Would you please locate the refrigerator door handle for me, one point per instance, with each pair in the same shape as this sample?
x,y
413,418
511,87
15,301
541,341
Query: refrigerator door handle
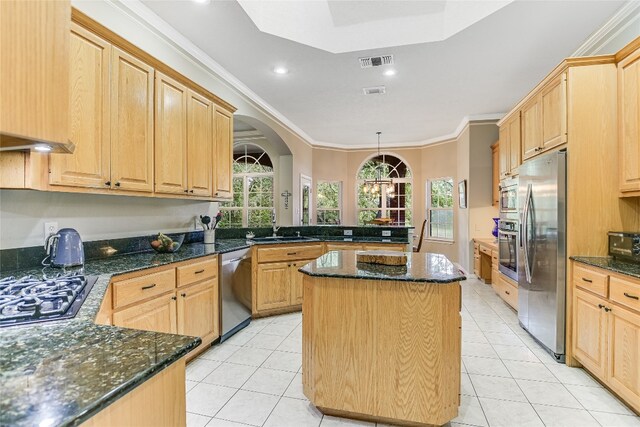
x,y
524,237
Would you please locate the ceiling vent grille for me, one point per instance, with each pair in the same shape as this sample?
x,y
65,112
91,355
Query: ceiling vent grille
x,y
376,61
374,90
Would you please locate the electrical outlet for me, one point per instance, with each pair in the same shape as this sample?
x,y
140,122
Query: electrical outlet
x,y
386,233
50,228
348,232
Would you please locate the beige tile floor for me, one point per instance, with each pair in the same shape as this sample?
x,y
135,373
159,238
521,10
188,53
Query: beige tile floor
x,y
254,379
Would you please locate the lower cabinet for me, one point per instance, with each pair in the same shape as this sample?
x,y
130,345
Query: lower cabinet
x,y
158,314
197,311
606,333
274,286
507,289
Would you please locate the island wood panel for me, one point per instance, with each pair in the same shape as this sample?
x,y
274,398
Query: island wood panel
x,y
199,145
158,402
90,164
394,357
171,136
131,123
34,69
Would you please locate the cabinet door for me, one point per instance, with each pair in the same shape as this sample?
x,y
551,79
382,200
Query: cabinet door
x,y
495,175
531,128
171,136
34,69
514,145
503,155
198,310
89,165
554,113
131,123
274,285
199,145
158,314
223,153
296,281
590,331
629,122
624,353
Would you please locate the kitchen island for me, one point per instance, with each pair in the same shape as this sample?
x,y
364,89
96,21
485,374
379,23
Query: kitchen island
x,y
382,343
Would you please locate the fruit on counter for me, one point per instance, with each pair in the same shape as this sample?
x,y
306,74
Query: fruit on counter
x,y
164,243
155,244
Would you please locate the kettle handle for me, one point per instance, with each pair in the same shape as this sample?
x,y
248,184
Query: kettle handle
x,y
50,243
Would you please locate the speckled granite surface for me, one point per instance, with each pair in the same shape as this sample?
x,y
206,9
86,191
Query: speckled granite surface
x,y
608,263
421,267
63,372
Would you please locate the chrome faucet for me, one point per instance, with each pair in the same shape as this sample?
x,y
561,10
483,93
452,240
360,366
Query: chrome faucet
x,y
273,222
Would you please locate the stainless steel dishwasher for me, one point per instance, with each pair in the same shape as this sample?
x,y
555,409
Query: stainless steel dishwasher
x,y
235,295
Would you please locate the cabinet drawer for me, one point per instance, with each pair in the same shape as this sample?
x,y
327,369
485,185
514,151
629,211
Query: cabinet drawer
x,y
485,250
590,280
197,271
289,253
140,288
625,293
383,247
344,247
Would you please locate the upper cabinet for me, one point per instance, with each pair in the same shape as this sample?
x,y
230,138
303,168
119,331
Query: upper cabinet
x,y
629,123
509,154
495,164
223,153
34,70
200,112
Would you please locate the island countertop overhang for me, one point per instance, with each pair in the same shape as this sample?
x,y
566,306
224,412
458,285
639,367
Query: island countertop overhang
x,y
421,267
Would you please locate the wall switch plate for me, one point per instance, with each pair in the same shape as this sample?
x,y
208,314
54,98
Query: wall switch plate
x,y
348,232
50,228
386,233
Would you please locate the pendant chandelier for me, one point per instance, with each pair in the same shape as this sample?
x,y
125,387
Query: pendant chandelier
x,y
375,186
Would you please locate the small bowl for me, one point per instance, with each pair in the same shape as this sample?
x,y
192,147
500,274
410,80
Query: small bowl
x,y
162,249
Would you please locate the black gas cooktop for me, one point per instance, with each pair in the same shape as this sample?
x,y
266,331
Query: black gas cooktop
x,y
33,299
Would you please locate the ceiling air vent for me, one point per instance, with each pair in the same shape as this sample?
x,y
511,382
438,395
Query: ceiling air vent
x,y
374,90
375,61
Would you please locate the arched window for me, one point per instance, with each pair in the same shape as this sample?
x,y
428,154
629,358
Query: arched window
x,y
252,189
384,190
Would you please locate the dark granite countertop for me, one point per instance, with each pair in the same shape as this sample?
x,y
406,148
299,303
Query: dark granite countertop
x,y
608,263
421,267
63,372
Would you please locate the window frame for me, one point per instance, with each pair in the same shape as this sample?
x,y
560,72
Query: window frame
x,y
319,209
429,208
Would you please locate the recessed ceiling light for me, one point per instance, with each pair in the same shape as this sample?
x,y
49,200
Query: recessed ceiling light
x,y
280,70
43,148
390,72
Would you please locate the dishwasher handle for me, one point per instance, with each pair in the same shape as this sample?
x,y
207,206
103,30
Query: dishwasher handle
x,y
229,261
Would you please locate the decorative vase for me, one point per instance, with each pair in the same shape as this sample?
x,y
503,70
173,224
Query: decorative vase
x,y
209,237
495,227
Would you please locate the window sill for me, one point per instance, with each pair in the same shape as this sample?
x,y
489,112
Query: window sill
x,y
440,241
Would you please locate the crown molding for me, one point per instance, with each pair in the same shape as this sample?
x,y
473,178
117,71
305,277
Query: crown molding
x,y
625,16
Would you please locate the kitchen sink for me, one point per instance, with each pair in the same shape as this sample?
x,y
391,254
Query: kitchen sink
x,y
282,239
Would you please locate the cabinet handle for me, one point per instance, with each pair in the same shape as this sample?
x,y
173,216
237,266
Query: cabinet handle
x,y
199,271
153,285
217,193
587,280
174,298
507,292
190,191
631,296
607,309
108,183
186,191
600,306
118,184
183,295
292,253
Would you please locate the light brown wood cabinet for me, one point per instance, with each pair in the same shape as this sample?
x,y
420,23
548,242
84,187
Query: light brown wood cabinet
x,y
198,310
90,164
158,314
509,155
629,124
34,69
170,143
223,153
544,118
606,331
274,286
495,174
199,145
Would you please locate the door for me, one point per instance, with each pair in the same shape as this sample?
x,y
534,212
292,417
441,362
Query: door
x,y
274,285
624,353
629,122
305,200
171,136
554,113
590,331
503,154
199,145
541,271
531,136
158,314
131,123
223,153
198,310
89,165
296,281
514,145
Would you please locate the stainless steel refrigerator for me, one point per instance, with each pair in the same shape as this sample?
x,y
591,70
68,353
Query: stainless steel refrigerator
x,y
542,193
